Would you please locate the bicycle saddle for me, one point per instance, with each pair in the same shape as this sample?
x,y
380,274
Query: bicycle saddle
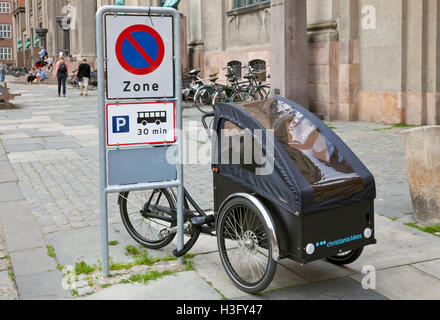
x,y
232,78
213,75
213,79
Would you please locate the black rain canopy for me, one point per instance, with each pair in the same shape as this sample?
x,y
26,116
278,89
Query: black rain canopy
x,y
313,169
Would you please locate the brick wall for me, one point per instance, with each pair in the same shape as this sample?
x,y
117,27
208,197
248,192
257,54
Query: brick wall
x,y
6,18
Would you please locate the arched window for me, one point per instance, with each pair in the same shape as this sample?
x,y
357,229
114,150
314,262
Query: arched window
x,y
236,66
258,65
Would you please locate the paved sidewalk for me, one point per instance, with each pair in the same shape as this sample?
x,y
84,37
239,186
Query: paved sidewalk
x,y
8,291
49,211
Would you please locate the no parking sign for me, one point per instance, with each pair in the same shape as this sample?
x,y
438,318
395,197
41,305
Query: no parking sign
x,y
140,108
139,57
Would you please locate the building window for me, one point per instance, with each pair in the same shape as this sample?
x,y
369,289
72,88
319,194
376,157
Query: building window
x,y
258,65
5,53
5,7
5,31
247,3
236,67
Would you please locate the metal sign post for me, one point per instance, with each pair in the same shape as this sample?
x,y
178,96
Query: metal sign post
x,y
140,105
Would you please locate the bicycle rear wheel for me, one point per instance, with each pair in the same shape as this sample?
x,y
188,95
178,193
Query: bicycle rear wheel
x,y
219,97
203,99
143,229
345,258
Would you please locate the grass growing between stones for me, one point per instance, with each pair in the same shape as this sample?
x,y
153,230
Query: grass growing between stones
x,y
142,259
390,218
113,243
51,252
84,268
434,229
152,275
132,251
217,290
84,279
404,126
147,276
396,126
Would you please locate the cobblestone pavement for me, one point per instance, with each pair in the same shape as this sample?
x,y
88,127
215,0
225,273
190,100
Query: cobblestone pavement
x,y
380,147
51,144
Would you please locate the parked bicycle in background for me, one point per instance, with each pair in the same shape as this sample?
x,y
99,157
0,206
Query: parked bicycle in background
x,y
255,89
191,84
203,100
230,93
252,89
73,81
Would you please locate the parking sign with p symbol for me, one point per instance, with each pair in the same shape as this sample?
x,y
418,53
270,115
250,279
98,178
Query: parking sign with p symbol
x,y
121,124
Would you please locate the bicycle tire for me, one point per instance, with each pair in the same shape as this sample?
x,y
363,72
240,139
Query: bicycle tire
x,y
251,235
133,231
248,97
263,92
219,97
346,257
203,100
238,97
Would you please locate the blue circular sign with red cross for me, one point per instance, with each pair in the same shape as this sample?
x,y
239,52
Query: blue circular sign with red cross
x,y
140,49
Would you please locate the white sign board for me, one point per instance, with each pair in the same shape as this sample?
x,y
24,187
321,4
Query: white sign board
x,y
139,52
132,124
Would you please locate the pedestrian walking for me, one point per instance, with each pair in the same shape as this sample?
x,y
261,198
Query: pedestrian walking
x,y
61,73
84,72
2,72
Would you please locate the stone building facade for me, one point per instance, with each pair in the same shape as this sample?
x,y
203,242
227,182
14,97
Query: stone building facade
x,y
65,26
369,60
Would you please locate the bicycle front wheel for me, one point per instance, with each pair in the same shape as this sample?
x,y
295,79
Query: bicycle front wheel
x,y
135,208
263,92
244,246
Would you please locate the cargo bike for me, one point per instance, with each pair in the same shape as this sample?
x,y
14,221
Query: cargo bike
x,y
302,194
